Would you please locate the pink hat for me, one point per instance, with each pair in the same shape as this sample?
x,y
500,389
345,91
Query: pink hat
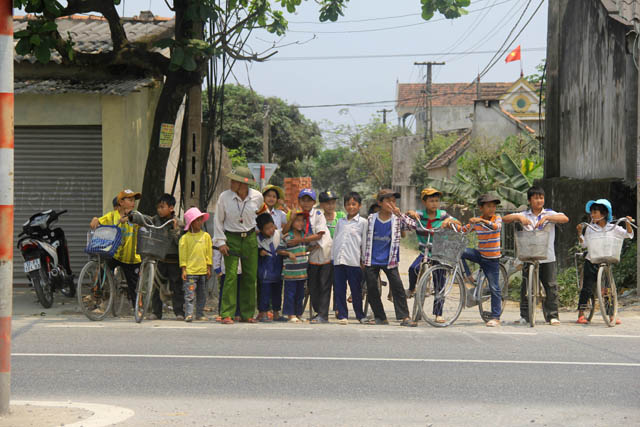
x,y
191,215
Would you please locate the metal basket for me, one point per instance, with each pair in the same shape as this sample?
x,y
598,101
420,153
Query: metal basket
x,y
532,245
104,240
604,247
448,246
155,243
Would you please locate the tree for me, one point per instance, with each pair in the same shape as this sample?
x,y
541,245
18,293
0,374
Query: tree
x,y
538,80
293,136
437,145
192,46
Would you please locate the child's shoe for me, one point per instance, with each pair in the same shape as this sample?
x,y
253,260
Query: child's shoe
x,y
440,319
521,321
180,317
202,318
188,319
343,322
554,322
618,321
269,315
493,323
218,318
294,319
582,320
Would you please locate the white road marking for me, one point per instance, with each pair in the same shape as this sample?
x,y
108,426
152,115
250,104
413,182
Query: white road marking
x,y
103,415
178,327
505,333
328,358
71,325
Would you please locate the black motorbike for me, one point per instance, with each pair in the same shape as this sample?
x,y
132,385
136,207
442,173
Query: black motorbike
x,y
46,256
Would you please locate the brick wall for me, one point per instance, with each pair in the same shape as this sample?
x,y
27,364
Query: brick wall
x,y
292,187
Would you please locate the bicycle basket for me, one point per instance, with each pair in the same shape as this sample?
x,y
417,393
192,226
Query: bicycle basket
x,y
155,243
532,245
104,240
448,246
604,247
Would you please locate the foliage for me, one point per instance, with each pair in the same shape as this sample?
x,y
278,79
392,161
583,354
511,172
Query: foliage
x,y
625,273
536,78
330,164
508,169
293,137
568,291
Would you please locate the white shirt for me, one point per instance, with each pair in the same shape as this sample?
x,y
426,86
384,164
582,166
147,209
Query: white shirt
x,y
610,227
275,239
549,227
279,218
347,241
234,214
318,224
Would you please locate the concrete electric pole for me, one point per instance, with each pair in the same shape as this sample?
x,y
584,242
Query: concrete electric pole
x,y
266,133
384,112
428,117
6,199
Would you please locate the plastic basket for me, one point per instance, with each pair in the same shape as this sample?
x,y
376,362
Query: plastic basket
x,y
604,247
155,243
448,246
104,240
532,245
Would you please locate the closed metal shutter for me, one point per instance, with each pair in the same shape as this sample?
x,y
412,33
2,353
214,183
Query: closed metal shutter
x,y
58,167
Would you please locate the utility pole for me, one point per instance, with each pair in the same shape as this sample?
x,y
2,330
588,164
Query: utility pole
x,y
384,112
428,122
6,199
266,133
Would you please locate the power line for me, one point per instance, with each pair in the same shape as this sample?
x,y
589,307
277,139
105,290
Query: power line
x,y
393,27
393,55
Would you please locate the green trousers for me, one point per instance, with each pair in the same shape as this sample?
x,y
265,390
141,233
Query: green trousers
x,y
246,298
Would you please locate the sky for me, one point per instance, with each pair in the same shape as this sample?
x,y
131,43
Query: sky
x,y
323,62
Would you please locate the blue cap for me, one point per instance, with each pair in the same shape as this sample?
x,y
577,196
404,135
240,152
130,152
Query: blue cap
x,y
307,192
603,202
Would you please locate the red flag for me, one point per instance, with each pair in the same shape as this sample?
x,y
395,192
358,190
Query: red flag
x,y
514,55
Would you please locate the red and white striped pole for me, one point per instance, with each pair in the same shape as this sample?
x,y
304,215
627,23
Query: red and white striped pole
x,y
6,198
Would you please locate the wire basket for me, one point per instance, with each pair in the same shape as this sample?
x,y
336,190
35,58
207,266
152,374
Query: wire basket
x,y
155,243
448,246
104,240
604,247
532,245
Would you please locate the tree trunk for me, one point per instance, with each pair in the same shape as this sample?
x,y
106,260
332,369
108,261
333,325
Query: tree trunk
x,y
175,88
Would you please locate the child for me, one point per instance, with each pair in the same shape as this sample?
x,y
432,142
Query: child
x,y
219,268
537,216
195,260
346,255
169,267
269,269
328,204
319,241
272,195
488,227
381,251
601,215
295,264
126,258
431,217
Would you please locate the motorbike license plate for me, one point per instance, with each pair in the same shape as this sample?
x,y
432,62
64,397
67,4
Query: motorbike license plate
x,y
32,265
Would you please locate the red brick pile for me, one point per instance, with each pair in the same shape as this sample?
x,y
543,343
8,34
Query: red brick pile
x,y
292,187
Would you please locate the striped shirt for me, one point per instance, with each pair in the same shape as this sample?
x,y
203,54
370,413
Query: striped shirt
x,y
488,236
294,270
398,224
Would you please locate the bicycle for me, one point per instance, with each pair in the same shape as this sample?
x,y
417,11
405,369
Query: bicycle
x,y
96,285
152,246
532,246
442,285
604,248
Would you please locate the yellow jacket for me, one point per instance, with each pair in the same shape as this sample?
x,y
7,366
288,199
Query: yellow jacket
x,y
195,252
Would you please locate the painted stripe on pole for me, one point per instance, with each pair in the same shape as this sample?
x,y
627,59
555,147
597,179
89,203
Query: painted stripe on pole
x,y
6,241
6,275
6,64
6,17
5,344
6,182
6,120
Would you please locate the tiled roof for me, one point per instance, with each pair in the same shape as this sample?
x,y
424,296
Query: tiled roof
x,y
451,153
625,11
448,94
110,87
91,33
517,121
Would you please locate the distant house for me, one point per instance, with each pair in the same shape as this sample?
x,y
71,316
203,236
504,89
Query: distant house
x,y
453,103
81,134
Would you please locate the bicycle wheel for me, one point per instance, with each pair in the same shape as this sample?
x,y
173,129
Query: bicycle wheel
x,y
144,290
484,304
121,305
441,295
532,293
95,290
607,296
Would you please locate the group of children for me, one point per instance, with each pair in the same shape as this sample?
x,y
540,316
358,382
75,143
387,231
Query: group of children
x,y
320,249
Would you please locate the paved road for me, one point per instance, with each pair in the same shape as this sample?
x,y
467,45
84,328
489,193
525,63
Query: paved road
x,y
171,373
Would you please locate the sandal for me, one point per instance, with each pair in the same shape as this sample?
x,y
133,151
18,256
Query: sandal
x,y
493,323
582,320
294,320
408,322
227,321
249,320
380,322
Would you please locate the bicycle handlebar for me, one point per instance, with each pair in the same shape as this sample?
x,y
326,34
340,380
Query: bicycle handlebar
x,y
145,221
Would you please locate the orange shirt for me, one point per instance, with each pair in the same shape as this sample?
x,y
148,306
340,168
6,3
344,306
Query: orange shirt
x,y
488,236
